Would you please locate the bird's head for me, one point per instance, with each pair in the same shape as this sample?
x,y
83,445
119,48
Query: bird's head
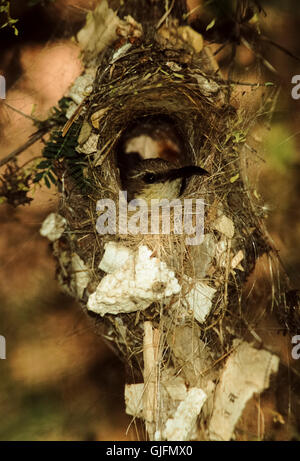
x,y
157,179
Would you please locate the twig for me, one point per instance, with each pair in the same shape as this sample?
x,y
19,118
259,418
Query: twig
x,y
164,17
236,82
280,47
259,56
20,112
33,139
186,15
73,118
150,352
220,48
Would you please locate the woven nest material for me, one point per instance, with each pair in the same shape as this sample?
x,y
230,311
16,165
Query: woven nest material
x,y
193,98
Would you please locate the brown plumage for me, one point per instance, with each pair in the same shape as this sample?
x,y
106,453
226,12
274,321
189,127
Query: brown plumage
x,y
156,178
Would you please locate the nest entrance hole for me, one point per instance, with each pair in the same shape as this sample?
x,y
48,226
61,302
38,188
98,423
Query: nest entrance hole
x,y
153,136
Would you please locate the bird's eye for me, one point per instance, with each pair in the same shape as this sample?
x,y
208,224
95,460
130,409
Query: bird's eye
x,y
149,178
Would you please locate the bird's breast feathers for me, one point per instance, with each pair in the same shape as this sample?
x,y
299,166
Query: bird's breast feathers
x,y
161,190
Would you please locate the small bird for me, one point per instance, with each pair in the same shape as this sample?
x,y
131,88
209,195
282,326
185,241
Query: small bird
x,y
156,178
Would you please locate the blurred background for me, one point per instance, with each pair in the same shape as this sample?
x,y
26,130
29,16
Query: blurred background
x,y
60,381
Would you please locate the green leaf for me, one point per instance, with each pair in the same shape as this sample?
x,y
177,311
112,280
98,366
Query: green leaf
x,y
43,164
52,178
178,75
238,136
211,24
234,178
47,182
38,177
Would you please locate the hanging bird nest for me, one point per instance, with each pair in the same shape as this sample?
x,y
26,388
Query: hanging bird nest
x,y
139,86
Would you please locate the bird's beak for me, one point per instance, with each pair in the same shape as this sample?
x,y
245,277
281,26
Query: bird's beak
x,y
185,172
